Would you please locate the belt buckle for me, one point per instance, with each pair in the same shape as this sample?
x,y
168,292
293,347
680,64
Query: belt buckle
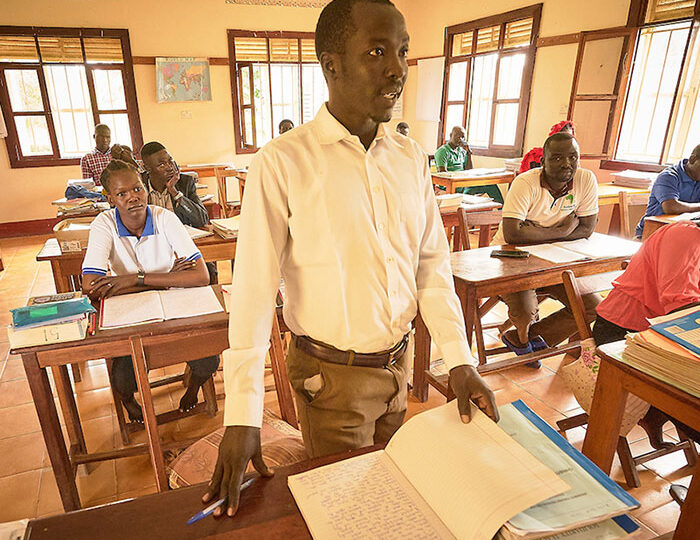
x,y
395,354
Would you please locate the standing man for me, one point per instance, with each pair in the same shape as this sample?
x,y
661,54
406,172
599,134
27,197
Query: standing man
x,y
402,127
285,125
676,190
94,163
351,292
455,155
558,201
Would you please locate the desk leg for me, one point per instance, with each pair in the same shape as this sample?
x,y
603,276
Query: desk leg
x,y
484,235
478,330
421,360
687,527
66,398
51,429
606,417
62,282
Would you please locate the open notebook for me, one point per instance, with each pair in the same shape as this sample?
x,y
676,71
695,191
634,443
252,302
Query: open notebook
x,y
154,306
439,478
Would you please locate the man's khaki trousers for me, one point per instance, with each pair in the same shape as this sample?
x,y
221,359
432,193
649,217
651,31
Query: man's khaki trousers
x,y
346,407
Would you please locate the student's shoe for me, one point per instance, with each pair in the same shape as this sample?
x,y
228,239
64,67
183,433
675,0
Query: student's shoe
x,y
678,493
520,351
538,344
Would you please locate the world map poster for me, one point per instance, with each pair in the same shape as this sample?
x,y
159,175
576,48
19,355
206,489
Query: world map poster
x,y
182,79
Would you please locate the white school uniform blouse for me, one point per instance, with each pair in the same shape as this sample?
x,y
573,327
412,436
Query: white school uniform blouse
x,y
357,236
111,247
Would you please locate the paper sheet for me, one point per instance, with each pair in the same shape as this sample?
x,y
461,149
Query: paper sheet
x,y
191,302
131,309
554,253
13,530
598,246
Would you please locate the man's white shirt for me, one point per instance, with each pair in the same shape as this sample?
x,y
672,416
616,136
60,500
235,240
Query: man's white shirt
x,y
358,239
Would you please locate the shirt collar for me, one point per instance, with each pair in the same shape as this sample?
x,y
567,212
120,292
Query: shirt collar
x,y
147,229
107,153
330,130
556,194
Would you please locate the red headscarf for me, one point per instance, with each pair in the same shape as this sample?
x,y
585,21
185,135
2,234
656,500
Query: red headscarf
x,y
533,158
556,128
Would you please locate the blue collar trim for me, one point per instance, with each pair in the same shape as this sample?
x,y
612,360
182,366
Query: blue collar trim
x,y
148,229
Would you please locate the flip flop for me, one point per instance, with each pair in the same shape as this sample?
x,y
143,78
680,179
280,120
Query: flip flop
x,y
520,351
538,343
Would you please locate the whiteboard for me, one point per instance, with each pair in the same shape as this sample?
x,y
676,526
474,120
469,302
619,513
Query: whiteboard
x,y
431,73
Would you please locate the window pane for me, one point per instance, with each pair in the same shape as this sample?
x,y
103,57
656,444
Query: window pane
x,y
686,126
60,49
284,50
18,49
462,44
654,78
308,50
25,92
599,66
119,125
248,127
244,74
261,98
453,117
591,121
510,76
33,133
71,109
483,78
518,33
103,50
665,10
505,123
487,38
109,89
285,94
315,90
456,90
250,49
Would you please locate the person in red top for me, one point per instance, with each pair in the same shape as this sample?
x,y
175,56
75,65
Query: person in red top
x,y
533,158
662,277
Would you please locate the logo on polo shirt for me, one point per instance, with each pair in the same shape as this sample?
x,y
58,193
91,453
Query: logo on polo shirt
x,y
568,203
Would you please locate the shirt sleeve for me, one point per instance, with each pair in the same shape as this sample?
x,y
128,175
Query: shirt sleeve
x,y
518,200
179,238
100,241
85,167
666,187
678,269
588,204
189,208
262,240
438,303
441,157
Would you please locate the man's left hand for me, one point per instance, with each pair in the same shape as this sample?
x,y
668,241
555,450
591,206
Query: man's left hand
x,y
467,385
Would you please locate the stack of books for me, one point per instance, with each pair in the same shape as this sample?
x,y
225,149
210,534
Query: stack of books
x,y
44,321
513,164
669,350
227,228
77,207
633,179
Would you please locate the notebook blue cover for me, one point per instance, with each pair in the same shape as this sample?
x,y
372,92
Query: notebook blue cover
x,y
685,331
55,312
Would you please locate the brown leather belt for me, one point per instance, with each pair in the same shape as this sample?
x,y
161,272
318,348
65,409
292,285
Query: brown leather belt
x,y
327,353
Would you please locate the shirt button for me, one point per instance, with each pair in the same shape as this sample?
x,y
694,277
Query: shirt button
x,y
380,226
390,260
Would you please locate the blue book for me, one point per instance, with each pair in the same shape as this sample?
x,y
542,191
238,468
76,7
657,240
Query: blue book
x,y
51,313
684,330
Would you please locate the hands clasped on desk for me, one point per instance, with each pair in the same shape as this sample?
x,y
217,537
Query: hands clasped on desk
x,y
241,444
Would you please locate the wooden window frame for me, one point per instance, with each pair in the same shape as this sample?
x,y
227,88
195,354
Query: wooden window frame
x,y
17,160
534,12
236,86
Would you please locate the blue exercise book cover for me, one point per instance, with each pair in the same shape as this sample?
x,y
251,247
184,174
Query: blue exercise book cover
x,y
53,312
685,331
585,463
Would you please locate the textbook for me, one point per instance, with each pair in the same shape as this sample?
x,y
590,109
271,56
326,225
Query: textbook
x,y
196,234
75,330
51,313
596,246
227,228
439,478
155,306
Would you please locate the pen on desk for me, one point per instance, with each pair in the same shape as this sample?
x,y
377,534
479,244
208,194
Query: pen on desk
x,y
91,324
213,506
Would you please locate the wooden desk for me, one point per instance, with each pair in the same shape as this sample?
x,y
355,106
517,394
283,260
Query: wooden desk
x,y
615,380
608,195
477,276
67,267
450,222
267,511
483,180
654,223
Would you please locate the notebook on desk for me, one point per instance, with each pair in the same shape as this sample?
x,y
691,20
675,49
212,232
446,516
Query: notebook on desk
x,y
155,306
439,478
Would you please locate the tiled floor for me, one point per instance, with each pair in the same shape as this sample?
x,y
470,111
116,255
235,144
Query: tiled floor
x,y
27,486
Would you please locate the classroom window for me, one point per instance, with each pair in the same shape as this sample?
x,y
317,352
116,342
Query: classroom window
x,y
487,80
57,84
660,118
274,75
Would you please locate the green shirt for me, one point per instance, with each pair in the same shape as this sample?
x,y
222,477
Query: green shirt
x,y
453,159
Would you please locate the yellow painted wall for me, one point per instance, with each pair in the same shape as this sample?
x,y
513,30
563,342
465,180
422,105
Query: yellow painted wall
x,y
164,28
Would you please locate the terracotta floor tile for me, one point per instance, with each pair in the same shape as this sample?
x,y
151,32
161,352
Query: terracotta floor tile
x,y
662,519
18,420
523,374
14,393
93,378
99,483
49,497
651,494
553,391
94,403
19,494
134,473
21,453
100,434
14,370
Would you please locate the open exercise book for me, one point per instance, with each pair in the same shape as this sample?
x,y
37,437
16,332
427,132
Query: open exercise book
x,y
154,306
596,246
441,479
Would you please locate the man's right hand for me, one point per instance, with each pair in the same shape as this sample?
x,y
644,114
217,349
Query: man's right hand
x,y
239,445
568,225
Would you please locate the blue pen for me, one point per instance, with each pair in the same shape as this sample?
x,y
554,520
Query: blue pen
x,y
209,509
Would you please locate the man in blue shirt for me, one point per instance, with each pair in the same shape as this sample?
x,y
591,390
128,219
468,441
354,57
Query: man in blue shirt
x,y
676,190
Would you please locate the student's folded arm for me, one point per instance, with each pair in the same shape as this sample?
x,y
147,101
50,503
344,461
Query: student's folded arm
x,y
586,226
196,276
522,231
437,301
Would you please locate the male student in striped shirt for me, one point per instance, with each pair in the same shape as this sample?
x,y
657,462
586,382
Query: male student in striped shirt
x,y
145,247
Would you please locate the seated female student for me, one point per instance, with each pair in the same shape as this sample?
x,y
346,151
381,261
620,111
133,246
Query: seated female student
x,y
145,247
662,277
